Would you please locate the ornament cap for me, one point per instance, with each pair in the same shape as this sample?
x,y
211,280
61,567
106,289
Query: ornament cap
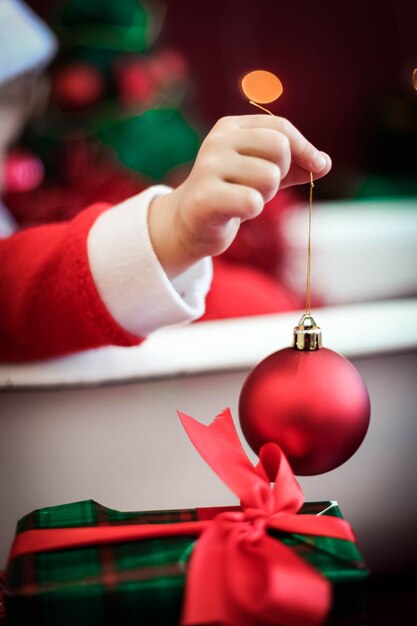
x,y
307,335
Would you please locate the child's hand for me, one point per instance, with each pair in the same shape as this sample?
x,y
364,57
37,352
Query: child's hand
x,y
241,165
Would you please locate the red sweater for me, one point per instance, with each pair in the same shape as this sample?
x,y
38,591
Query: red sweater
x,y
49,304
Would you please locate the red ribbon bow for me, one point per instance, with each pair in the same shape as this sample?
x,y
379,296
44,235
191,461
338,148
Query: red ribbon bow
x,y
239,575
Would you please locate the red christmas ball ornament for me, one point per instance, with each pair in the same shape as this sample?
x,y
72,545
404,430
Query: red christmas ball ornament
x,y
309,400
135,83
78,86
24,171
167,66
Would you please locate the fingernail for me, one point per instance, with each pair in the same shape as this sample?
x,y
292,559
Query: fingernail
x,y
318,162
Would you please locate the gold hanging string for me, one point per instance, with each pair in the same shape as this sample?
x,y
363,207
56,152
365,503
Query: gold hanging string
x,y
255,104
310,211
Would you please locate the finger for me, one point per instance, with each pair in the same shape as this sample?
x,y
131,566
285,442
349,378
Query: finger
x,y
216,204
298,176
262,175
303,153
266,144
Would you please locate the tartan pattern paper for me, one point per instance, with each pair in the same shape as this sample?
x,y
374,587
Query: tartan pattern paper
x,y
142,583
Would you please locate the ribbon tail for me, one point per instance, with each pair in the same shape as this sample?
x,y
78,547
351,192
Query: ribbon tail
x,y
297,594
205,589
219,445
237,578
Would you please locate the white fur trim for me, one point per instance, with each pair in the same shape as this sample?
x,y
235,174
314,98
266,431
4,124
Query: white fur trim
x,y
129,278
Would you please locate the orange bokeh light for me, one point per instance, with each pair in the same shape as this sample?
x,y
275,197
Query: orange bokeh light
x,y
261,86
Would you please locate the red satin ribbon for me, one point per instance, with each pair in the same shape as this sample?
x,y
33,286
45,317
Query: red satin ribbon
x,y
238,574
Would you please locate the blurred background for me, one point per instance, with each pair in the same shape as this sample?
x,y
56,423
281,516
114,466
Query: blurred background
x,y
346,68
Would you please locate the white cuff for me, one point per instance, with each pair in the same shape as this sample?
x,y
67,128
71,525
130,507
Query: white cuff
x,y
129,278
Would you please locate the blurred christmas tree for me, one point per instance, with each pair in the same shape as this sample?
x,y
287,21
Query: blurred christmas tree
x,y
115,121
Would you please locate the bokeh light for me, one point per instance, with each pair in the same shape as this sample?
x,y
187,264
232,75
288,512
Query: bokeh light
x,y
261,86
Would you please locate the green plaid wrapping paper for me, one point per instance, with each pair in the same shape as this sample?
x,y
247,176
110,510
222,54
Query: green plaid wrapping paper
x,y
142,583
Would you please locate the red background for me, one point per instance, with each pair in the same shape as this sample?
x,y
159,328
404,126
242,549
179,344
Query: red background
x,y
334,59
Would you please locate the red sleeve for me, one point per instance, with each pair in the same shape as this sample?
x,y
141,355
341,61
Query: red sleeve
x,y
49,304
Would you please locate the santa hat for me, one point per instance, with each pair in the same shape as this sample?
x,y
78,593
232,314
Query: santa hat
x,y
26,43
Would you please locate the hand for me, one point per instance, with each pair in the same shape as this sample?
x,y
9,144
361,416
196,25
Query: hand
x,y
241,164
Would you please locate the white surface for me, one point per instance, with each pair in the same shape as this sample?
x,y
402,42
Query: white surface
x,y
236,344
361,251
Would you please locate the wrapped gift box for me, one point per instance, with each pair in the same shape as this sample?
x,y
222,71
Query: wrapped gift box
x,y
141,582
